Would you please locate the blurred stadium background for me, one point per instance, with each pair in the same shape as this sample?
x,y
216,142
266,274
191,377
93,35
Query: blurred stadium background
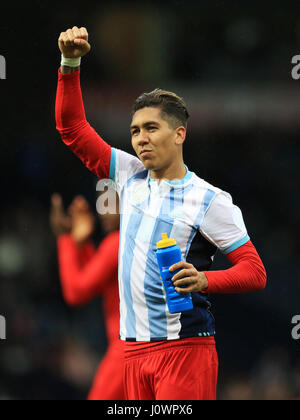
x,y
231,61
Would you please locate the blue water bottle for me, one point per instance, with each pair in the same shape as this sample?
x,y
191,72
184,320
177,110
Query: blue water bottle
x,y
168,253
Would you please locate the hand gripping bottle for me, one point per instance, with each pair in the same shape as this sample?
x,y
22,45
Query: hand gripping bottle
x,y
168,254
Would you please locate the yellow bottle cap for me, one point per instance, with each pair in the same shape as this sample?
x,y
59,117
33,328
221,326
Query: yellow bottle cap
x,y
165,242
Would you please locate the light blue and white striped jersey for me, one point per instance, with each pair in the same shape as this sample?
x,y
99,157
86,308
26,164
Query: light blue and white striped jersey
x,y
202,219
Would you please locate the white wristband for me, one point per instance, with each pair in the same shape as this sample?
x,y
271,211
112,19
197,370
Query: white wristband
x,y
70,62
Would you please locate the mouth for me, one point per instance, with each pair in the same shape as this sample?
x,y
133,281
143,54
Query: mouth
x,y
145,152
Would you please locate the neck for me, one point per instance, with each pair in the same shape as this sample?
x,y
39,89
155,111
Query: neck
x,y
174,172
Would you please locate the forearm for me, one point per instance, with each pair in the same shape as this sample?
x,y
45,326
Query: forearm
x,y
87,274
247,274
86,253
69,107
77,288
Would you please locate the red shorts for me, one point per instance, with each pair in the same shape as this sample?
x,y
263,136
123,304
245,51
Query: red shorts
x,y
185,369
108,382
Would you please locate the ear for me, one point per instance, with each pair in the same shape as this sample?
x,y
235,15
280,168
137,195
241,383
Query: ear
x,y
180,135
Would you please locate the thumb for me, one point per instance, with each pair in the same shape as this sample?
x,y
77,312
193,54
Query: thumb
x,y
56,201
57,205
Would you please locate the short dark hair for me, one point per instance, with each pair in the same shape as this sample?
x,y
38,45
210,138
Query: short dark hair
x,y
173,108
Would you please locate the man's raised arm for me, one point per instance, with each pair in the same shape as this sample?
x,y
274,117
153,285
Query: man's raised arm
x,y
71,121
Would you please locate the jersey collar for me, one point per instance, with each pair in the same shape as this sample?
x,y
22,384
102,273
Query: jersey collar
x,y
178,183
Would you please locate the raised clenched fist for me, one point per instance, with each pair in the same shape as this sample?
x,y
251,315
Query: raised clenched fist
x,y
74,43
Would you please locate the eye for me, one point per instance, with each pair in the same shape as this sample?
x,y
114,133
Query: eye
x,y
152,128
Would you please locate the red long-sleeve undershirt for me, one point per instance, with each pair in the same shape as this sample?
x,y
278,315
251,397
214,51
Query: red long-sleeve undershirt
x,y
86,272
247,273
74,129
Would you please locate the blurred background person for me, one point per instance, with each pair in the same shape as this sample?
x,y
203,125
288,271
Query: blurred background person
x,y
87,272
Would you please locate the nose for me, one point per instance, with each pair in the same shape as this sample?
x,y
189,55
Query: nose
x,y
142,138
